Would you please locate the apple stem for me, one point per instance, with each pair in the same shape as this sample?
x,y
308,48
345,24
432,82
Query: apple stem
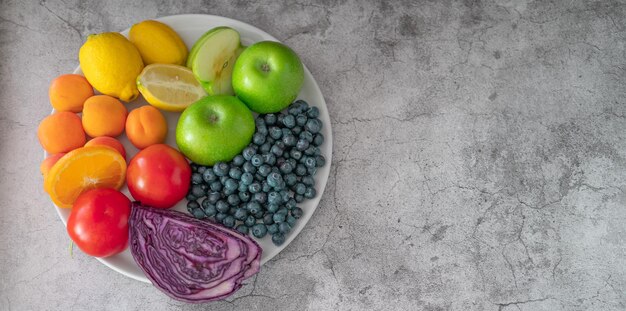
x,y
265,67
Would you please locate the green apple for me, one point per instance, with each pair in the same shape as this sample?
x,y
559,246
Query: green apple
x,y
214,129
212,58
268,76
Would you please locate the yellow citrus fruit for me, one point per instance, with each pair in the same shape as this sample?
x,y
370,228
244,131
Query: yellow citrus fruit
x,y
111,64
158,43
169,87
83,169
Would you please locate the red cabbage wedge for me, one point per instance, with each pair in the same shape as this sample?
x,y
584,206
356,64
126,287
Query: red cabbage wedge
x,y
188,259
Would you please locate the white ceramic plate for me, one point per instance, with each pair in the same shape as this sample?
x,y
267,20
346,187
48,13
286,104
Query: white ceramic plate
x,y
190,28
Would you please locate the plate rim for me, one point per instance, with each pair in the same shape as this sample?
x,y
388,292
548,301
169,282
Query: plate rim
x,y
327,140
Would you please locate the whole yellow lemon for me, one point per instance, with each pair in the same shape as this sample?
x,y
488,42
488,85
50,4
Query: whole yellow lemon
x,y
111,64
158,43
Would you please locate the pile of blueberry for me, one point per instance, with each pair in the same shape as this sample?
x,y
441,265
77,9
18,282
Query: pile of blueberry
x,y
258,191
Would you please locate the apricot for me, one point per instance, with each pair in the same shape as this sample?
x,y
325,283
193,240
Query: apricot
x,y
61,132
108,142
146,126
69,92
49,161
104,115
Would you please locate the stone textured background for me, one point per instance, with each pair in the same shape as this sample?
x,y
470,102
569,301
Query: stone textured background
x,y
479,159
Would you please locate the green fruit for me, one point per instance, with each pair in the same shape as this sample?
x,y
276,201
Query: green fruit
x,y
268,76
212,58
214,129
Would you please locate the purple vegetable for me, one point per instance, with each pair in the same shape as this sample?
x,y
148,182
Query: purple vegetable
x,y
188,259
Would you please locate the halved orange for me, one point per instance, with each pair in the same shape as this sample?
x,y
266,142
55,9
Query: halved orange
x,y
83,169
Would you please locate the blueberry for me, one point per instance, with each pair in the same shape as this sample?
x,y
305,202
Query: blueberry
x,y
260,197
224,178
209,209
241,214
274,179
272,208
265,148
244,196
220,169
308,181
219,217
310,151
259,122
291,204
275,132
233,200
262,129
273,228
279,217
257,160
296,212
267,219
238,160
310,162
286,132
232,210
269,159
231,184
313,125
242,187
291,220
302,144
285,195
283,211
198,213
247,178
192,205
190,197
320,161
229,221
284,227
289,140
306,136
248,153
213,197
273,198
253,207
301,120
250,221
264,170
278,238
259,214
300,170
265,187
243,229
317,151
295,154
310,193
197,191
196,178
216,186
270,140
311,170
301,104
248,167
258,139
318,140
296,130
289,121
235,173
299,198
277,151
270,119
222,206
254,187
259,231
313,112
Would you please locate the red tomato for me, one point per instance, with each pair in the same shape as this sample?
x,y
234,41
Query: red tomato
x,y
98,223
158,176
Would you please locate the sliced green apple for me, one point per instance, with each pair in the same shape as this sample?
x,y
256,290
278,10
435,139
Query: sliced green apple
x,y
212,58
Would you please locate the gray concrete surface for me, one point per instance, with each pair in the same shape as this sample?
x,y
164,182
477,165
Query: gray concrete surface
x,y
479,159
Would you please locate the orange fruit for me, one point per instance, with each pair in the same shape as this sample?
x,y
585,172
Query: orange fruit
x,y
69,92
104,115
61,132
108,142
146,126
48,162
84,169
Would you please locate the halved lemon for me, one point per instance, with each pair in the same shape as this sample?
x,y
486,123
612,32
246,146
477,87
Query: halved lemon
x,y
83,169
169,87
